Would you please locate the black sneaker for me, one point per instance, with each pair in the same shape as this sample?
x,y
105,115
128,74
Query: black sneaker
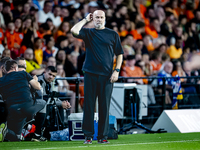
x,y
88,140
38,138
103,141
3,128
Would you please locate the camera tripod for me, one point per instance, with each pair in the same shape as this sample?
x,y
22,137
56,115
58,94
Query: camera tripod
x,y
53,119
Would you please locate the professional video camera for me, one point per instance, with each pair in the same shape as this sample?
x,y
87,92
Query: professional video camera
x,y
51,95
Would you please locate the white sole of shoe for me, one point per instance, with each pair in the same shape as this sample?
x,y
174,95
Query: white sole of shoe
x,y
36,140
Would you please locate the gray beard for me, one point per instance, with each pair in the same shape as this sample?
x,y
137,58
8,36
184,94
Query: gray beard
x,y
99,26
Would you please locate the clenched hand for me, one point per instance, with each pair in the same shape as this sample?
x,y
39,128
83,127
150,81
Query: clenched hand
x,y
114,77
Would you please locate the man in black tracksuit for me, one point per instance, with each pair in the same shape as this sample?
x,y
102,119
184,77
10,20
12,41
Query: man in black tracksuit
x,y
101,44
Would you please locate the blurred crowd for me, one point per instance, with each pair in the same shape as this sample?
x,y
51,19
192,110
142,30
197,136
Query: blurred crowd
x,y
158,36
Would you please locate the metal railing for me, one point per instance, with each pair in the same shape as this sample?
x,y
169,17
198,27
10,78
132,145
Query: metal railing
x,y
123,79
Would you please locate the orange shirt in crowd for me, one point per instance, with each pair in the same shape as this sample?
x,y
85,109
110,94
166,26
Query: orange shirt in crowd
x,y
59,33
143,10
22,49
136,72
175,72
38,56
123,33
174,53
196,4
128,72
174,11
136,35
156,67
189,14
1,35
41,35
150,47
19,37
12,39
151,32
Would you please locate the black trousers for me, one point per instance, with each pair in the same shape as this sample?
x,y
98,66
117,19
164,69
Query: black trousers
x,y
17,115
101,87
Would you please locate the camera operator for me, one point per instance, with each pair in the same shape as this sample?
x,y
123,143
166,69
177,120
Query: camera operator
x,y
21,63
3,110
14,88
2,62
46,81
22,67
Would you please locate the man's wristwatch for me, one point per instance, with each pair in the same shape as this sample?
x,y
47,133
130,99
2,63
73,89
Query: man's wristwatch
x,y
117,70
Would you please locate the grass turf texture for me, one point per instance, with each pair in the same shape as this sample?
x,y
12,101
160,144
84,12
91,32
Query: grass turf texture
x,y
163,141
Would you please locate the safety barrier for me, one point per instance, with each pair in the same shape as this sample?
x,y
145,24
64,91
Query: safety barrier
x,y
159,96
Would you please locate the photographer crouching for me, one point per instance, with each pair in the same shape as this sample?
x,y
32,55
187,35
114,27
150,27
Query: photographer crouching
x,y
46,81
15,90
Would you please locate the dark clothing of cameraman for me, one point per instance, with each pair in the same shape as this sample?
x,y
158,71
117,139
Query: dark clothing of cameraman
x,y
14,88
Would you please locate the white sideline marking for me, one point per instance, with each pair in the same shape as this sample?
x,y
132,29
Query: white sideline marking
x,y
89,145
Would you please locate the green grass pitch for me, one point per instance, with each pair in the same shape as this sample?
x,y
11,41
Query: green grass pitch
x,y
162,141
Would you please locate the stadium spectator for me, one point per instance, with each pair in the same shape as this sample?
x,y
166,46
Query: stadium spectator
x,y
147,69
62,30
29,32
63,43
71,65
39,4
76,15
175,51
13,40
156,62
7,14
52,28
26,9
178,70
51,61
43,30
49,49
162,48
139,30
130,70
1,39
166,72
154,28
2,22
46,13
38,50
177,32
57,20
61,57
127,51
65,13
6,53
32,67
